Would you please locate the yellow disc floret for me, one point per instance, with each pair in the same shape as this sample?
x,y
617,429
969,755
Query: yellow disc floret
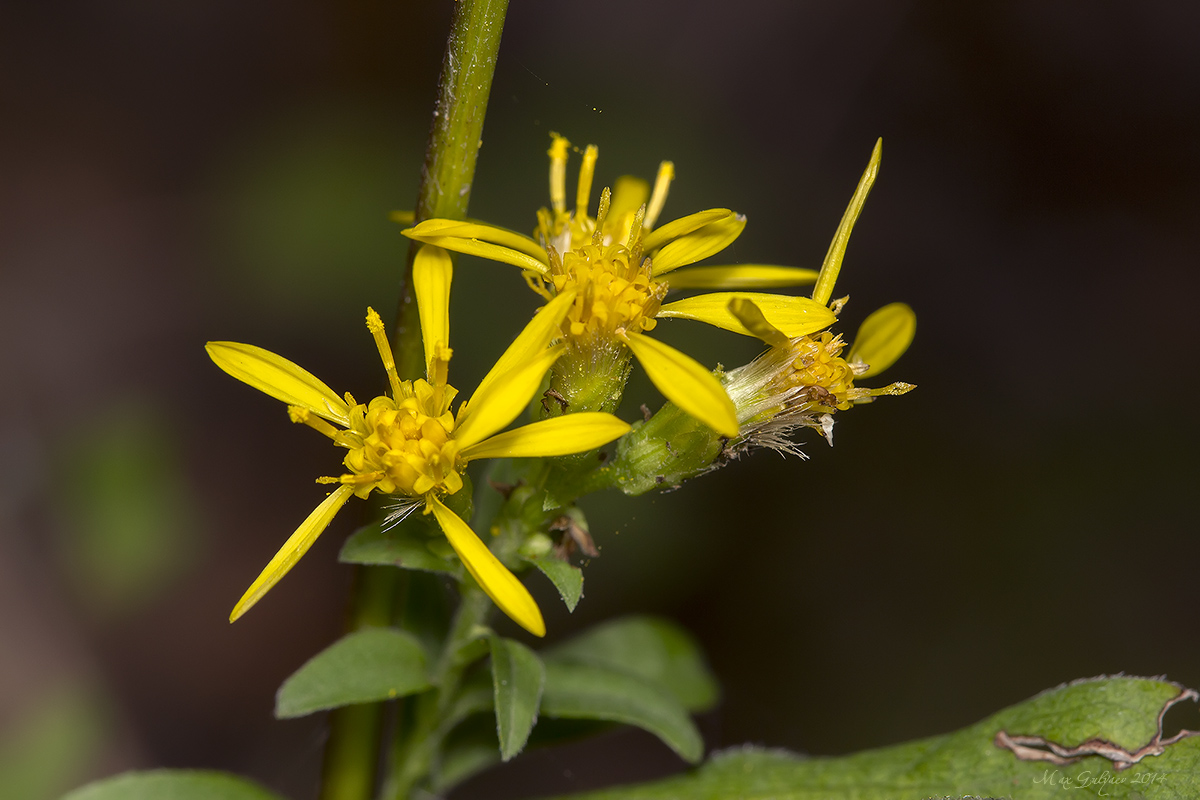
x,y
402,444
817,366
402,447
613,293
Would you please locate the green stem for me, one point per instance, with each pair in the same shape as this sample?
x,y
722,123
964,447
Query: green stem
x,y
420,732
351,754
352,751
454,140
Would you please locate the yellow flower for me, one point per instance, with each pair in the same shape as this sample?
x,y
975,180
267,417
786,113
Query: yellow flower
x,y
410,444
803,380
618,268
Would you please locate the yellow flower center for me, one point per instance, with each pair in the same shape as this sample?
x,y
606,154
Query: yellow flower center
x,y
404,445
613,291
827,378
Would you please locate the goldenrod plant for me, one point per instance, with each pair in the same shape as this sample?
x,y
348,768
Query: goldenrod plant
x,y
419,700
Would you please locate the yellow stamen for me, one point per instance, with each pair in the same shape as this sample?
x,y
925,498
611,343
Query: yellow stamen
x,y
666,174
558,173
601,215
586,172
634,242
299,414
375,326
826,379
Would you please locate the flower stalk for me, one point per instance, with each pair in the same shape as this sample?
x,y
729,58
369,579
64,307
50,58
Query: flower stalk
x,y
352,751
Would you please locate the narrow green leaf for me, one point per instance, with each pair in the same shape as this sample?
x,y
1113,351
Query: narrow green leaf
x,y
650,648
518,678
363,667
401,545
583,691
568,579
1100,714
168,784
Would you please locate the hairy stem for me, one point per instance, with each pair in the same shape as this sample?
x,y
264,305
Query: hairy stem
x,y
352,752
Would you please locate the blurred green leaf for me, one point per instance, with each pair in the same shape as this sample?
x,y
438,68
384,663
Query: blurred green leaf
x,y
1122,711
471,748
653,649
518,678
366,666
130,519
568,579
584,691
400,546
173,785
53,745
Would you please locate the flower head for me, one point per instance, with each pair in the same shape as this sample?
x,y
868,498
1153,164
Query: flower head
x,y
619,267
411,445
804,381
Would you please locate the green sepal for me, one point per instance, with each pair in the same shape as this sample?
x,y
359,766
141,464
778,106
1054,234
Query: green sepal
x,y
661,453
366,666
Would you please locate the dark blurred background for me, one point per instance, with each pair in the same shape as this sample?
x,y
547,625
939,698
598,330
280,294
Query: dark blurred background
x,y
178,172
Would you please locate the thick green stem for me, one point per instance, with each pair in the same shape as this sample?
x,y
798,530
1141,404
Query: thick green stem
x,y
351,755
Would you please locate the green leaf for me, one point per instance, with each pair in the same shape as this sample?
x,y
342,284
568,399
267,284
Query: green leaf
x,y
362,667
1097,714
568,579
402,545
650,648
584,691
517,679
166,784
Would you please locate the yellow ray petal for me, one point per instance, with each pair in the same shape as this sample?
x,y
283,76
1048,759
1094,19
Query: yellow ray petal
x,y
837,248
883,337
484,232
478,246
686,383
296,546
558,436
432,275
683,226
628,195
752,317
508,593
279,378
506,397
698,245
795,316
530,343
741,276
